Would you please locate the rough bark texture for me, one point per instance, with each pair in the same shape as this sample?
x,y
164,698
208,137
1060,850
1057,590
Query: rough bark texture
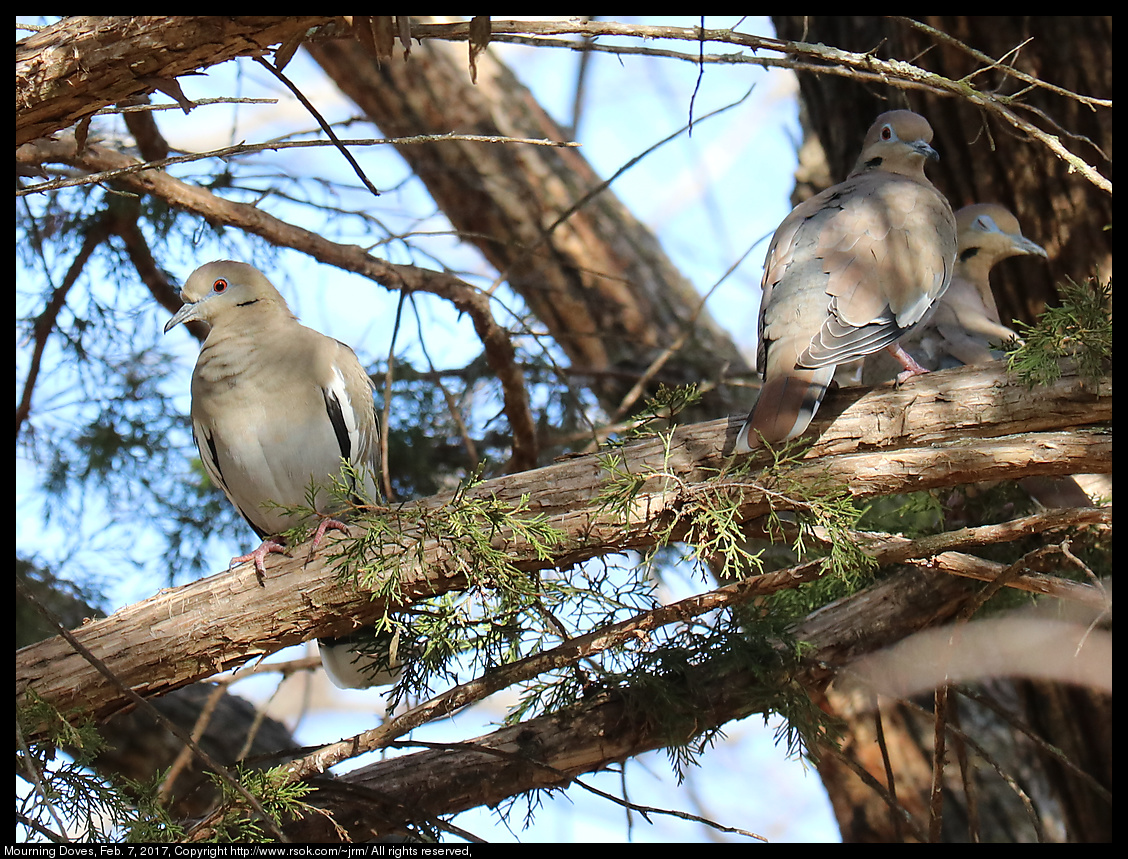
x,y
71,69
948,428
600,282
983,160
136,746
611,726
613,301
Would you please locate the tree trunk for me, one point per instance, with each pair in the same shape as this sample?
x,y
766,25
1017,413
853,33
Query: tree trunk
x,y
599,281
983,160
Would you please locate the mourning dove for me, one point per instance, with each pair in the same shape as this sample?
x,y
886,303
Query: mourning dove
x,y
276,406
965,322
850,271
967,317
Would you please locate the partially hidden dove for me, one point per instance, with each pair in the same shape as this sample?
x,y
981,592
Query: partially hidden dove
x,y
964,325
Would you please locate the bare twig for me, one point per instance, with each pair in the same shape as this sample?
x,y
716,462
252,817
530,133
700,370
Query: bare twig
x,y
389,376
499,351
452,405
35,776
45,321
564,654
660,361
878,788
990,63
863,66
816,58
1036,738
939,735
325,126
571,651
644,810
153,713
271,146
990,760
199,102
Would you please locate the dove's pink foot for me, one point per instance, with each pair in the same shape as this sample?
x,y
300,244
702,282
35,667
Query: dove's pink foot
x,y
327,525
912,368
268,546
259,557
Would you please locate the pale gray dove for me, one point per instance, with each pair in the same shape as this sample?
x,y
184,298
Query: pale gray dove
x,y
850,271
967,318
276,406
965,322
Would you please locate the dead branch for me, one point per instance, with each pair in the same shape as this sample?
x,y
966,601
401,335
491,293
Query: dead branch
x,y
72,69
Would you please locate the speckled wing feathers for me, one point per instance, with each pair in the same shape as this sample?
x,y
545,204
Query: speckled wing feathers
x,y
849,272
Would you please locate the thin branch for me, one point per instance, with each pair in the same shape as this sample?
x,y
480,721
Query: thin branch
x,y
990,63
596,190
99,231
863,66
939,735
271,146
152,711
567,653
499,350
564,654
35,776
1012,783
890,779
878,788
199,102
325,126
566,778
934,452
184,757
894,549
659,362
385,423
1037,739
452,406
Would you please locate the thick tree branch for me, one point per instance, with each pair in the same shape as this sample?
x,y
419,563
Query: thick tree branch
x,y
69,70
947,428
612,635
613,725
72,69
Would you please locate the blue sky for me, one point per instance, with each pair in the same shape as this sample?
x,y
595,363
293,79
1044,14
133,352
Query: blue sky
x,y
708,198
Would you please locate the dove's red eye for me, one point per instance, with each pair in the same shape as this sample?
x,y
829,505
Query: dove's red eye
x,y
219,286
886,133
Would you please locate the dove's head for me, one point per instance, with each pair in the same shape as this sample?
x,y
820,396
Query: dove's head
x,y
226,289
988,228
898,141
